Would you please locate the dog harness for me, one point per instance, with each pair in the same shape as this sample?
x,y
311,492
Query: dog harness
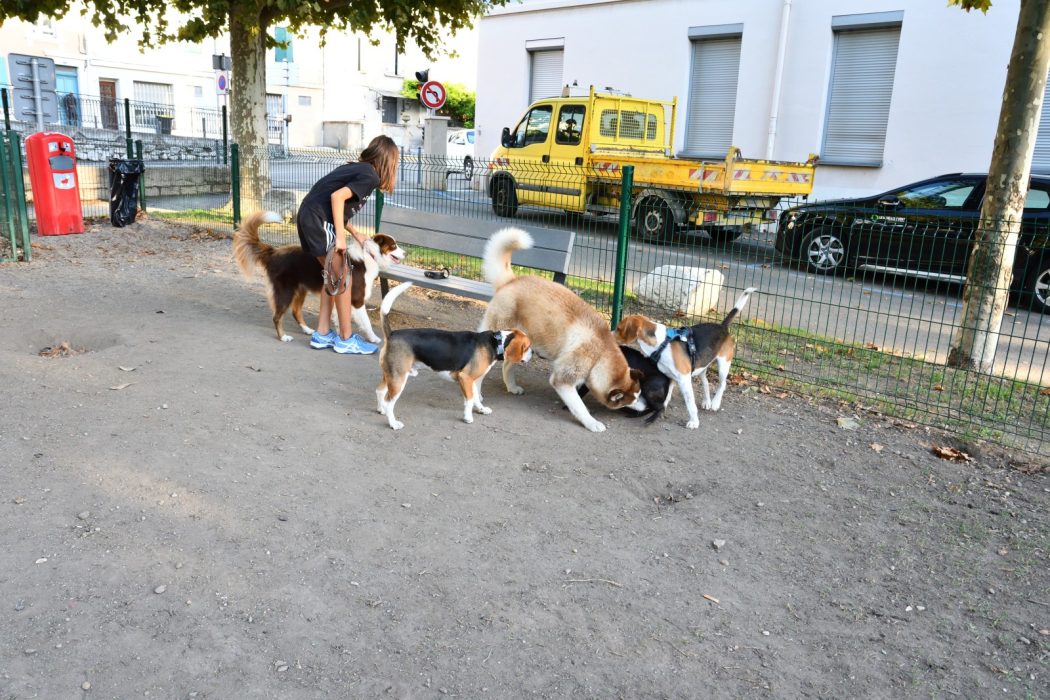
x,y
682,335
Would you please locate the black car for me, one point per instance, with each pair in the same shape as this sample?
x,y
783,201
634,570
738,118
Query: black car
x,y
924,230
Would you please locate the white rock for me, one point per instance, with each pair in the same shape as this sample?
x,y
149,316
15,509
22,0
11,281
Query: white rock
x,y
691,290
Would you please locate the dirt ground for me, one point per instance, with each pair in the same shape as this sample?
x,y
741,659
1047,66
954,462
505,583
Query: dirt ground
x,y
192,509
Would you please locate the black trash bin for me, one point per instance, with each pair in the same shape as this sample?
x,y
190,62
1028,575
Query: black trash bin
x,y
124,190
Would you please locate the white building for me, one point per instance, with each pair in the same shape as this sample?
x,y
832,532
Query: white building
x,y
886,92
339,94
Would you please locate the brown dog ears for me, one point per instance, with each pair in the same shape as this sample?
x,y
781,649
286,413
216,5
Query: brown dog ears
x,y
518,344
633,326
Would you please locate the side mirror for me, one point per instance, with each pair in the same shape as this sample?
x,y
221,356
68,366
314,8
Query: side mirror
x,y
505,139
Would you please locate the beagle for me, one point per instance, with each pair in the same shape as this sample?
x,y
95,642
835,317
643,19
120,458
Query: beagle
x,y
462,356
684,353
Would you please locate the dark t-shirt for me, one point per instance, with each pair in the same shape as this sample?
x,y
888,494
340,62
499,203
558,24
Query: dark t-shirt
x,y
362,180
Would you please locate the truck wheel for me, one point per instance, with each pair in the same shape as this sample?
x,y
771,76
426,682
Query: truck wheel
x,y
655,221
468,167
504,198
824,251
1034,290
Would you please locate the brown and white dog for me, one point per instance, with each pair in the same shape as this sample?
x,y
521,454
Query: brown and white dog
x,y
684,353
292,273
563,329
464,357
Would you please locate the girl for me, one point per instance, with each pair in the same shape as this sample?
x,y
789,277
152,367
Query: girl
x,y
324,221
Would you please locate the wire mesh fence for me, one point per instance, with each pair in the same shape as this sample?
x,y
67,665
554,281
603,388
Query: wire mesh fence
x,y
14,216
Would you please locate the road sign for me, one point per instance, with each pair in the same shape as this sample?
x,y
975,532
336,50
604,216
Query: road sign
x,y
432,94
222,82
20,67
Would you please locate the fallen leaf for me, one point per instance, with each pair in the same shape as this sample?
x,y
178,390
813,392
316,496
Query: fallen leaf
x,y
848,423
127,369
876,446
782,395
905,424
781,368
1046,391
711,598
765,389
118,387
938,387
950,453
871,346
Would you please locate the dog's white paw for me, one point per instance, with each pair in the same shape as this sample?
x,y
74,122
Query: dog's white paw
x,y
515,390
596,426
397,425
468,419
374,338
706,405
715,405
693,424
485,410
287,338
307,330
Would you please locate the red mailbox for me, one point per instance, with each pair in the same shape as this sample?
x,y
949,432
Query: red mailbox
x,y
56,190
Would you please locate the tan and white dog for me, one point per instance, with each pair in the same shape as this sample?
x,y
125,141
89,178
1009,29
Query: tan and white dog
x,y
462,356
292,273
684,353
563,328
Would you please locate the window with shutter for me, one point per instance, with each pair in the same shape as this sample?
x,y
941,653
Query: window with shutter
x,y
1041,157
862,71
151,99
712,95
545,74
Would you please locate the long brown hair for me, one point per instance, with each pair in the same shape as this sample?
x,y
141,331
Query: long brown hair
x,y
383,155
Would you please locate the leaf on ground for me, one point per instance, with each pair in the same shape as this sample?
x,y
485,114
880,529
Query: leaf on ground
x,y
711,598
1046,391
118,387
122,368
951,454
877,447
938,387
905,424
782,395
848,423
871,346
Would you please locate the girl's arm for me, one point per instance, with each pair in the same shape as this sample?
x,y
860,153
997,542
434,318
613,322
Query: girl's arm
x,y
339,199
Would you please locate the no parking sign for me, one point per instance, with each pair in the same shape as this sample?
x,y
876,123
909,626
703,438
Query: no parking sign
x,y
222,82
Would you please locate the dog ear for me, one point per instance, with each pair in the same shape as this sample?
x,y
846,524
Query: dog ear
x,y
615,396
637,375
627,330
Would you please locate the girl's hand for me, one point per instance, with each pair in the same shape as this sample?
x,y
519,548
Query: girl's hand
x,y
357,237
340,241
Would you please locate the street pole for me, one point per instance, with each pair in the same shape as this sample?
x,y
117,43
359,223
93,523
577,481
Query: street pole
x,y
37,100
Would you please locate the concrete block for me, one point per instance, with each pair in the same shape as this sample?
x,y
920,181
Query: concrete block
x,y
692,290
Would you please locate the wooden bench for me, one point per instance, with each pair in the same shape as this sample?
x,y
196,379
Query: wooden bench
x,y
550,252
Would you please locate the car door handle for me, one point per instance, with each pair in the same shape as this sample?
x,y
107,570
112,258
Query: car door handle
x,y
546,159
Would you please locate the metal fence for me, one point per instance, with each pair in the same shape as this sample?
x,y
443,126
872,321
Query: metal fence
x,y
14,216
855,303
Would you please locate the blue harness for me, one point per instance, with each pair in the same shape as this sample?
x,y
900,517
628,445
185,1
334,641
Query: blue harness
x,y
682,335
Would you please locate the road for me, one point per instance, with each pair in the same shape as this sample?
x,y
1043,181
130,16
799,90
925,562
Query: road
x,y
907,317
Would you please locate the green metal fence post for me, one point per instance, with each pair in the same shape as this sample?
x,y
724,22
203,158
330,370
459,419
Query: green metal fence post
x,y
9,203
127,127
626,188
7,109
142,177
379,208
225,138
235,183
20,193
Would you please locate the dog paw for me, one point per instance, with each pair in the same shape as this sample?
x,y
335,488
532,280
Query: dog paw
x,y
485,410
596,427
468,419
374,338
397,425
287,338
517,390
307,330
693,424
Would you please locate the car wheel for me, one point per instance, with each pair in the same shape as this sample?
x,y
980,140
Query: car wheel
x,y
722,235
824,251
504,198
1035,287
654,221
468,167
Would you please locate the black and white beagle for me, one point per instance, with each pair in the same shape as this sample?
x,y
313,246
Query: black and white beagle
x,y
462,356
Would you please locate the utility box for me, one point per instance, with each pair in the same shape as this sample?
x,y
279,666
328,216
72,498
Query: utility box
x,y
56,190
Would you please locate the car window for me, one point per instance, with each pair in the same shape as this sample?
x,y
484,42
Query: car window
x,y
470,137
533,127
1037,198
944,194
570,123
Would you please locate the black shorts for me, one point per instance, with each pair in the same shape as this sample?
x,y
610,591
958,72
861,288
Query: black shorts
x,y
316,232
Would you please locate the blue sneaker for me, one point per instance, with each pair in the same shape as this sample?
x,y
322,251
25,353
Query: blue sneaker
x,y
354,345
321,342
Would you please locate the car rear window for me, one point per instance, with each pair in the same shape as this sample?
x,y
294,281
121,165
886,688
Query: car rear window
x,y
1037,198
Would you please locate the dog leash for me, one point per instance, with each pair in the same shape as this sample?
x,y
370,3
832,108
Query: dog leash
x,y
337,281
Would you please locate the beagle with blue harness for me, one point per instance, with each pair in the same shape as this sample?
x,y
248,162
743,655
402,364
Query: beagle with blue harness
x,y
683,353
465,357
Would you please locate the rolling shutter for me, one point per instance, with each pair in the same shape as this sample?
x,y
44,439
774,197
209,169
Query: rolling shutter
x,y
712,96
1041,157
545,78
859,99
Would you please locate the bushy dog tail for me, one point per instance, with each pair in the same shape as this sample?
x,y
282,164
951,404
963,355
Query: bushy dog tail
x,y
388,302
248,250
496,265
740,303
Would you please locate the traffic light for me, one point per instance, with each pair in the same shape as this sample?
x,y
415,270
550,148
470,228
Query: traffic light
x,y
423,75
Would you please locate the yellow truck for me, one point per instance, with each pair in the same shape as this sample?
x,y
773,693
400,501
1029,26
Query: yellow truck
x,y
568,153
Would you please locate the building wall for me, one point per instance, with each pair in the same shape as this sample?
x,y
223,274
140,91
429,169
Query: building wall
x,y
948,85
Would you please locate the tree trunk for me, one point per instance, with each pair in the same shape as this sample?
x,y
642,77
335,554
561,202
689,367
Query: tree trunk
x,y
248,103
992,258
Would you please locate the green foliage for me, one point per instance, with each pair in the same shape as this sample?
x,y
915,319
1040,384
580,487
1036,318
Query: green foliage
x,y
459,104
982,5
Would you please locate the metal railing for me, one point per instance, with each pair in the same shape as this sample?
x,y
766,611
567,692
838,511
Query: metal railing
x,y
14,215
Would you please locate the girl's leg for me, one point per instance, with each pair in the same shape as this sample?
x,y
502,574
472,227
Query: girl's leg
x,y
324,318
342,310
